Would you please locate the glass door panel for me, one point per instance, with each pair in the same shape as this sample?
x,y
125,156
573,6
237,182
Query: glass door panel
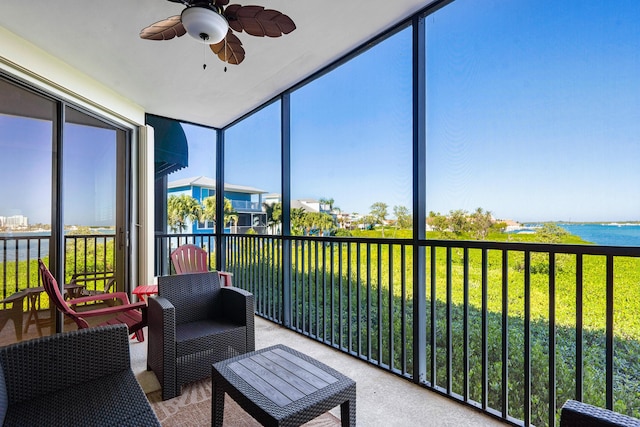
x,y
94,232
26,141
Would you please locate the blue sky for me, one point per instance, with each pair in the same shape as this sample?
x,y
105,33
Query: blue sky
x,y
533,109
533,113
90,172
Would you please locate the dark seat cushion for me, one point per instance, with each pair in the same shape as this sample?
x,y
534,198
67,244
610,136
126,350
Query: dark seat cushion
x,y
201,335
114,400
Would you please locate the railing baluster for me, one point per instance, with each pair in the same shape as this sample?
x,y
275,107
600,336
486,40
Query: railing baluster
x,y
313,289
579,356
527,338
609,334
17,257
324,290
350,302
485,330
332,284
379,308
449,332
433,305
552,339
391,309
333,336
403,310
368,252
465,323
505,333
303,286
340,315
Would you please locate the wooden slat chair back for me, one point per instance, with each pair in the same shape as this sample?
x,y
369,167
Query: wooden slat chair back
x,y
193,259
190,259
50,285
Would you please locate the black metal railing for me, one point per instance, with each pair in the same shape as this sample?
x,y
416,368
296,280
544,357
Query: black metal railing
x,y
17,271
83,253
504,324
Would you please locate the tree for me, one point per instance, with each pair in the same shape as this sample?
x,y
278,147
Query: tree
x,y
318,220
274,214
379,214
458,222
209,211
437,221
480,223
329,202
550,232
297,221
180,209
403,217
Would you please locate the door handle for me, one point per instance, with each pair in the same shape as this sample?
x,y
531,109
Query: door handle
x,y
121,238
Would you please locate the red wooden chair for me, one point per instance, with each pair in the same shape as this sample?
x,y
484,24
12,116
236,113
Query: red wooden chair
x,y
134,315
190,259
193,259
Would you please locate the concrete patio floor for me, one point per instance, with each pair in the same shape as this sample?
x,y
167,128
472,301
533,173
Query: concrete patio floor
x,y
383,399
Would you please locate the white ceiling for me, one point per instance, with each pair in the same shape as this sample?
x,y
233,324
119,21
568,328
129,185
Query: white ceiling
x,y
100,39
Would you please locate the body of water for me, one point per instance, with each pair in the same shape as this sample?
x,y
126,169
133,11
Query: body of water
x,y
32,245
613,234
20,245
605,234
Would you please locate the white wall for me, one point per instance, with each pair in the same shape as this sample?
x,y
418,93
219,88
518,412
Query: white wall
x,y
29,63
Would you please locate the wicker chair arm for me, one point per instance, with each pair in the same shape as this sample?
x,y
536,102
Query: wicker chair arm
x,y
237,304
579,414
239,307
162,343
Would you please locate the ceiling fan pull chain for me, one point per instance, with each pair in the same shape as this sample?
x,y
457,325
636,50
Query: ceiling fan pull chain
x,y
225,54
204,57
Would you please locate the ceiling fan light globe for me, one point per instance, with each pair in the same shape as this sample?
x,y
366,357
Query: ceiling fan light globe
x,y
204,24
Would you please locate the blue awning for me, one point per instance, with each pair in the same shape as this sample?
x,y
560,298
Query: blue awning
x,y
171,148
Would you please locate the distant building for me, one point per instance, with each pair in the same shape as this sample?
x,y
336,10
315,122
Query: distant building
x,y
246,201
271,198
311,205
15,221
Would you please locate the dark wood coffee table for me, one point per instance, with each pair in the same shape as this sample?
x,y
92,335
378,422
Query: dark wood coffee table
x,y
279,386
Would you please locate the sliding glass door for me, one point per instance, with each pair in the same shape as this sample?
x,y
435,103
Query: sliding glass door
x,y
63,199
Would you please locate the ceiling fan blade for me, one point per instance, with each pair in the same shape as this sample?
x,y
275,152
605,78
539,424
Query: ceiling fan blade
x,y
258,21
221,2
230,49
164,30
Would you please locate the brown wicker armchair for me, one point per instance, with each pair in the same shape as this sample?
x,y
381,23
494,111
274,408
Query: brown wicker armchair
x,y
193,323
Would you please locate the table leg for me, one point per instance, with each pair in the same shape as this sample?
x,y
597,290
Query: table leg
x,y
217,406
33,317
348,413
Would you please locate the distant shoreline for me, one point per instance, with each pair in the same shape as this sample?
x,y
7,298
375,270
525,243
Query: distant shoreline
x,y
582,222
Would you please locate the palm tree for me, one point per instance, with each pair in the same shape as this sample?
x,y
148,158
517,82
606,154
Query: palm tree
x,y
274,214
209,213
297,220
329,202
180,209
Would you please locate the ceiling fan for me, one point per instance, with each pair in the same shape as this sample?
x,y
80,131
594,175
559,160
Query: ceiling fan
x,y
212,21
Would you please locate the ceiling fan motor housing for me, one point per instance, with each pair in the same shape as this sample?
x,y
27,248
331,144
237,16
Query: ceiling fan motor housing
x,y
204,24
